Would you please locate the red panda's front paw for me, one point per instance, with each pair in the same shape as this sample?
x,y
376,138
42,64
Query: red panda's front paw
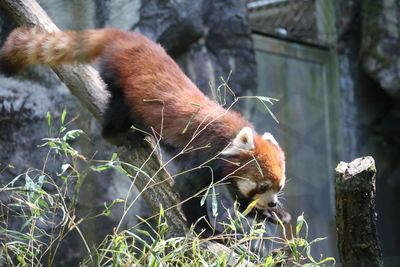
x,y
271,215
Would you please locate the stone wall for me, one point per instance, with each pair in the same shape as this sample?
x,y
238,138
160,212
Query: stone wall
x,y
368,56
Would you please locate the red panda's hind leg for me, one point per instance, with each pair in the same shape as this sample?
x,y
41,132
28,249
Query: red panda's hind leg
x,y
116,118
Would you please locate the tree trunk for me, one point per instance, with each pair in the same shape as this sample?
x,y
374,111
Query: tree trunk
x,y
85,83
355,213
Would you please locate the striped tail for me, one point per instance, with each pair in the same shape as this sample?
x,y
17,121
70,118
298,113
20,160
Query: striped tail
x,y
25,46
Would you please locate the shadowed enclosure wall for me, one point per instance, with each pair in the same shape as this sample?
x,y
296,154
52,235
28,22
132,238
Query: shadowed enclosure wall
x,y
303,78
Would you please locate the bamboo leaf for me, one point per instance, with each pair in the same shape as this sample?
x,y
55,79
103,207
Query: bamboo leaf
x,y
63,115
250,207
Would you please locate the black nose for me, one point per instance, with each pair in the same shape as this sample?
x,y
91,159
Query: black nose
x,y
271,204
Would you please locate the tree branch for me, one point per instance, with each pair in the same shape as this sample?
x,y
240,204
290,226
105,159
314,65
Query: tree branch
x,y
85,83
355,213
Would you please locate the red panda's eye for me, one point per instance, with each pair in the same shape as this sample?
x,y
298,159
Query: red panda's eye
x,y
263,188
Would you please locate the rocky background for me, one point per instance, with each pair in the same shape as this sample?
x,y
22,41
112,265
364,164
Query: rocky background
x,y
369,70
207,38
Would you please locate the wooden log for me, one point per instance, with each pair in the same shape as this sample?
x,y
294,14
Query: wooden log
x,y
85,83
355,213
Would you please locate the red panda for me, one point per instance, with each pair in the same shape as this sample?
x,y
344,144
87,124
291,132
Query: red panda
x,y
150,91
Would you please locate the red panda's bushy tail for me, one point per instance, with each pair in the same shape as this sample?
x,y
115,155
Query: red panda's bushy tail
x,y
25,46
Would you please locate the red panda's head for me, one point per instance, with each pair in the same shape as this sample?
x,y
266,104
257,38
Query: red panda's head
x,y
259,172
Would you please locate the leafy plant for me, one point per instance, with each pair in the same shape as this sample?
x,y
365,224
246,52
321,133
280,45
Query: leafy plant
x,y
43,204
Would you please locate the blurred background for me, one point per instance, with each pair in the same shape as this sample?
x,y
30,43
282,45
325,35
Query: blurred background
x,y
333,65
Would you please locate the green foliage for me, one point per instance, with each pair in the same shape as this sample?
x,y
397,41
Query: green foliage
x,y
44,205
224,89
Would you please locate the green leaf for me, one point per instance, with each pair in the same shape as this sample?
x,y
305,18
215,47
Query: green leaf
x,y
308,252
162,213
73,134
43,203
318,239
15,179
194,104
64,168
21,260
299,224
101,167
144,232
63,115
30,184
267,99
41,181
191,120
107,211
332,259
203,262
293,248
48,118
203,199
136,169
28,221
250,207
62,129
268,261
267,108
258,165
214,203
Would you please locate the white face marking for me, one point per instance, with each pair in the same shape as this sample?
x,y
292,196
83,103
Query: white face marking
x,y
267,197
244,140
283,181
270,137
245,186
268,182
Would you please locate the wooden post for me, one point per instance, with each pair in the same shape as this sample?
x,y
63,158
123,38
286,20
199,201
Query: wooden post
x,y
355,213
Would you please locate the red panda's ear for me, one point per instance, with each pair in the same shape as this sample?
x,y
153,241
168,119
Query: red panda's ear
x,y
244,140
270,137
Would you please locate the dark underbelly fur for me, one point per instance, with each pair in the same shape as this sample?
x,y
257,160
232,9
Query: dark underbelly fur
x,y
117,118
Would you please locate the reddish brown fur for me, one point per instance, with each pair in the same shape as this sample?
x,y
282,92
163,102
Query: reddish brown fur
x,y
26,46
155,88
270,159
146,72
